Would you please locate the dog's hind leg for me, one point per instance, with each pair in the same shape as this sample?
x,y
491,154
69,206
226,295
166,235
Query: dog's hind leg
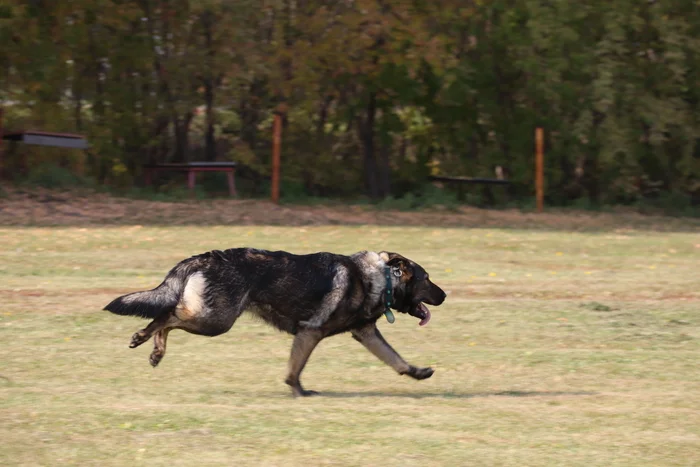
x,y
184,319
372,339
305,341
144,334
159,342
160,338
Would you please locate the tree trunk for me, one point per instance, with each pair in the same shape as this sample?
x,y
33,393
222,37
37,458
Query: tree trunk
x,y
98,101
248,110
591,165
78,102
182,137
384,173
209,140
323,118
366,128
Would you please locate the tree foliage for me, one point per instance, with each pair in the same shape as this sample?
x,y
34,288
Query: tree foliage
x,y
380,93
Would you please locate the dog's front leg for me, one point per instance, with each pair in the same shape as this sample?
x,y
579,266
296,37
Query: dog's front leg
x,y
372,339
304,343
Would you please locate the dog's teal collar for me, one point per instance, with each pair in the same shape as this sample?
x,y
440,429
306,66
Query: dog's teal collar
x,y
388,297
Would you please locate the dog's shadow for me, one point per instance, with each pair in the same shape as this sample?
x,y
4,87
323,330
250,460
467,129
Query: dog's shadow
x,y
453,395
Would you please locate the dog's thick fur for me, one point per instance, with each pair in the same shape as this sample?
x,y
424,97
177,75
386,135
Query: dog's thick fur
x,y
310,296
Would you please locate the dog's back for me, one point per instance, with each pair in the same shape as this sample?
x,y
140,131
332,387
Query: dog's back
x,y
282,288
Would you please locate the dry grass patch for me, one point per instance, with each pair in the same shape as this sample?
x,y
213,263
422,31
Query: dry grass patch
x,y
553,348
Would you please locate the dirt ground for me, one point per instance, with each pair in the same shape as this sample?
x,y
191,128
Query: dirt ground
x,y
49,208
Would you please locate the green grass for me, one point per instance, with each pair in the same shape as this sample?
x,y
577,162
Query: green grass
x,y
553,348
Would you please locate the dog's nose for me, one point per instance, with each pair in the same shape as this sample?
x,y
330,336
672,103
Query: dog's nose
x,y
441,298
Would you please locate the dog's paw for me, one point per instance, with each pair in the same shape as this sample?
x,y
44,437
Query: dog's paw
x,y
137,339
300,392
420,373
155,358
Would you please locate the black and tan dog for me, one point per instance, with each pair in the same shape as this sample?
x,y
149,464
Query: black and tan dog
x,y
310,296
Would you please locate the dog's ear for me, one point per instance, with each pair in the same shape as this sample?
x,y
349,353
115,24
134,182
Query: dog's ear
x,y
395,260
388,256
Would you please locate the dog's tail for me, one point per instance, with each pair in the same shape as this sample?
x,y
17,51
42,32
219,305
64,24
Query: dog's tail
x,y
151,303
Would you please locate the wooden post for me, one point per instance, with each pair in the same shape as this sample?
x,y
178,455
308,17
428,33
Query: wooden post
x,y
191,180
276,142
539,168
2,154
231,183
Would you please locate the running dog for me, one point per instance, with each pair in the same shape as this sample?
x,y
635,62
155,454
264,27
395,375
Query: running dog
x,y
311,296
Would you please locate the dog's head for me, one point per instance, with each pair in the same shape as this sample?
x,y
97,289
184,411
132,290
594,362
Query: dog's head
x,y
414,288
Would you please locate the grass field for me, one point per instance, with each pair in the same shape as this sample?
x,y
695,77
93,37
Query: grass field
x,y
553,348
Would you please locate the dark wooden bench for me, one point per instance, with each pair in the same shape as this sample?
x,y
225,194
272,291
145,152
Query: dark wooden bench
x,y
462,181
47,138
39,138
191,168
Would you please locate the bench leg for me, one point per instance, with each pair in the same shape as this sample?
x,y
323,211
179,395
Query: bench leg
x,y
460,193
191,174
231,184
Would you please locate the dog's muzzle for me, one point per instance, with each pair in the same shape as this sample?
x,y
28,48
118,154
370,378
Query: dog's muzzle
x,y
421,312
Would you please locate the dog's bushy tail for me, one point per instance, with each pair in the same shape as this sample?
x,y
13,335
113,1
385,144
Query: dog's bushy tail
x,y
151,303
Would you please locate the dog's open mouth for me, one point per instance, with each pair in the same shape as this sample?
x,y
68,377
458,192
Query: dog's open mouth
x,y
420,311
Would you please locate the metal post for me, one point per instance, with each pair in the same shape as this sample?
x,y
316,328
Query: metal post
x,y
539,168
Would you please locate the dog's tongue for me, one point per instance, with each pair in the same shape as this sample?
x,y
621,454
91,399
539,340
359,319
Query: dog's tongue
x,y
425,310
